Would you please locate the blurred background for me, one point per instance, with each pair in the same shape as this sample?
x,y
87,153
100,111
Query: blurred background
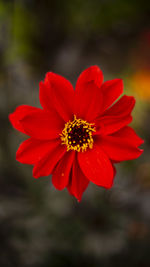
x,y
40,226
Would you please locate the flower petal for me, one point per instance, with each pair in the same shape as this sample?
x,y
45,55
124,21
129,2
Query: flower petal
x,y
60,175
78,182
116,117
46,165
128,133
19,114
31,150
43,124
110,124
96,166
122,145
88,95
57,93
111,91
90,74
122,107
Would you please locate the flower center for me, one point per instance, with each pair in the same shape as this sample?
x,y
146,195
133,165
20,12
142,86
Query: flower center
x,y
77,135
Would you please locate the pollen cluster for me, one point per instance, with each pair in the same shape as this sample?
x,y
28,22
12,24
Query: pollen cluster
x,y
77,135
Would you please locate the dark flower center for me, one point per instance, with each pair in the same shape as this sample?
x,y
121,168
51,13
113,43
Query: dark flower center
x,y
77,135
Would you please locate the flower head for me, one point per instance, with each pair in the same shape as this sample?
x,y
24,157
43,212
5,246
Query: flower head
x,y
78,134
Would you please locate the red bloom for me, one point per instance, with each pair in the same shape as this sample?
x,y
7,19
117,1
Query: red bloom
x,y
78,134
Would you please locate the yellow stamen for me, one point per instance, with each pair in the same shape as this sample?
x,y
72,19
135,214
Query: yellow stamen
x,y
77,135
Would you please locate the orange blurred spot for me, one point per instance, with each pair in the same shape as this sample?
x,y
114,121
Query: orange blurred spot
x,y
140,83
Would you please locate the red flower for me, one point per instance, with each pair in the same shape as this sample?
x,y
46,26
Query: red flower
x,y
78,134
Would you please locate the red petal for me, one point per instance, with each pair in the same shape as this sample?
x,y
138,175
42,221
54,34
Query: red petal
x,y
43,125
45,95
78,182
110,124
96,166
116,117
111,91
46,165
122,107
31,150
88,95
122,145
91,74
62,171
128,133
57,93
19,114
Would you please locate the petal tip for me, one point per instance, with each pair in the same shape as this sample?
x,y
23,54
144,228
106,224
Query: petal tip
x,y
142,141
35,173
10,116
17,157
